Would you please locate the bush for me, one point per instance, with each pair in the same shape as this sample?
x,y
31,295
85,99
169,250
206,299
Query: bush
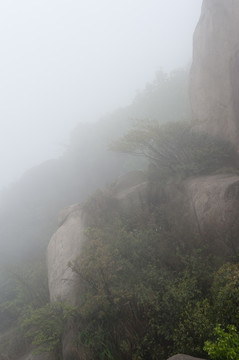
x,y
44,326
226,345
225,294
136,277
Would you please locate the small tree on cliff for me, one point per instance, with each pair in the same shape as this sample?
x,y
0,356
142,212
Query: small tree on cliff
x,y
175,149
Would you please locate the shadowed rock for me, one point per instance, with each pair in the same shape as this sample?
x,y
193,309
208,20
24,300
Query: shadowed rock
x,y
213,205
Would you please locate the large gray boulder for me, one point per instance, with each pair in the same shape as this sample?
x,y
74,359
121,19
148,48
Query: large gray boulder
x,y
183,357
214,200
214,83
212,204
208,206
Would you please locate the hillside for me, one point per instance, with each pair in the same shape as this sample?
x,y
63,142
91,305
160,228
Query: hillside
x,y
28,212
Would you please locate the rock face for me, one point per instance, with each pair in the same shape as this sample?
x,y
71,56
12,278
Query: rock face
x,y
214,83
64,246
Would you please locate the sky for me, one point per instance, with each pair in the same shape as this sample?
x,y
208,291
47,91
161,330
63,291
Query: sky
x,y
69,61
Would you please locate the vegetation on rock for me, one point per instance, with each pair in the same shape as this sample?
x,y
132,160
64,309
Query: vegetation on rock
x,y
176,150
149,287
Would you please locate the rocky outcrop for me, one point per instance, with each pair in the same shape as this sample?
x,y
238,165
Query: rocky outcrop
x,y
214,83
183,357
211,204
64,246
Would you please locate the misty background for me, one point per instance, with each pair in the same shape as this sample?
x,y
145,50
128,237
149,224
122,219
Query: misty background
x,y
65,62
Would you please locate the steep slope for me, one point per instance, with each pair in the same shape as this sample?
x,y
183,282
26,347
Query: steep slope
x,y
63,248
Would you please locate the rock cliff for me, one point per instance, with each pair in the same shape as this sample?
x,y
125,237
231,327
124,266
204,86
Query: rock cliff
x,y
214,83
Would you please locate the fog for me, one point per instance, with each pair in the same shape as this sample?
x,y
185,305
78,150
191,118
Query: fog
x,y
64,62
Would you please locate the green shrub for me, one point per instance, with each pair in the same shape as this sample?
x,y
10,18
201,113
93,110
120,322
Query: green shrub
x,y
226,345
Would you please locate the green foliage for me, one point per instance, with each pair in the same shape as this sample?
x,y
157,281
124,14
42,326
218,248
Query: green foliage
x,y
109,306
226,345
44,326
176,150
225,294
194,328
27,285
32,284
